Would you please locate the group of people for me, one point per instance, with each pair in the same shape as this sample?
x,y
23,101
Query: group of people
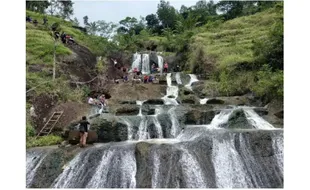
x,y
35,22
100,101
66,38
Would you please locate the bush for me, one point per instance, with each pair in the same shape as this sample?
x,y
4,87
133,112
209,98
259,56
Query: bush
x,y
269,84
43,141
30,131
234,84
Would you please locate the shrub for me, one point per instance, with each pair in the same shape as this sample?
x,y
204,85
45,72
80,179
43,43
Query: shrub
x,y
269,84
43,141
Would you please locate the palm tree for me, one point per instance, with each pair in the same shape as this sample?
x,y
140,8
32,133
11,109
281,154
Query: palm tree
x,y
92,28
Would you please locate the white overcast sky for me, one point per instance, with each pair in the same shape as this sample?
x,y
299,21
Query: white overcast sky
x,y
116,10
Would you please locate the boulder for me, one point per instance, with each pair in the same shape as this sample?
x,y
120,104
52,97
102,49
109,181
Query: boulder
x,y
127,110
74,137
154,102
279,114
261,111
238,120
128,102
147,110
162,79
109,130
189,99
215,101
198,117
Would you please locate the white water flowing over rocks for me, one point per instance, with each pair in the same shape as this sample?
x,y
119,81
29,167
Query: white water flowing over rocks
x,y
201,156
193,78
171,91
145,64
178,78
136,61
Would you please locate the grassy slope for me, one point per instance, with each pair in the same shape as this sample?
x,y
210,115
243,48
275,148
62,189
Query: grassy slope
x,y
230,43
39,51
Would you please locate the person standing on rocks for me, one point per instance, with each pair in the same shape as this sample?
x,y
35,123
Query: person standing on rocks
x,y
166,67
83,131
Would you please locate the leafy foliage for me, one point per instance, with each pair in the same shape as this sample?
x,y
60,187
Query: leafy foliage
x,y
43,141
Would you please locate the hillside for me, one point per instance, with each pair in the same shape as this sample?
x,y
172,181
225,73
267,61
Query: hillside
x,y
226,53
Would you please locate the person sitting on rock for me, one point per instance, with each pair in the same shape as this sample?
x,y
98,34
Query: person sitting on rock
x,y
83,127
91,101
71,40
146,78
153,68
135,70
150,78
166,67
125,78
102,100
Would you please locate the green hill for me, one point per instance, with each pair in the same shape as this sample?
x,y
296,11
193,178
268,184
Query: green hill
x,y
226,51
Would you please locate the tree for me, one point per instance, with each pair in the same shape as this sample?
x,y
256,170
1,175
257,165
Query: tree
x,y
203,11
105,29
92,28
152,21
61,8
66,9
166,14
37,6
76,21
85,19
231,9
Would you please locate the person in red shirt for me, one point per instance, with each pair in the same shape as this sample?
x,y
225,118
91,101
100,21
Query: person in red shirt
x,y
166,67
146,78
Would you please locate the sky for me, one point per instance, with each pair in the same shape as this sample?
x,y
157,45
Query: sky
x,y
116,10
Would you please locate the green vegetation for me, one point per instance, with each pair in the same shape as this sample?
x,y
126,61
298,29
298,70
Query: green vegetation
x,y
32,141
43,141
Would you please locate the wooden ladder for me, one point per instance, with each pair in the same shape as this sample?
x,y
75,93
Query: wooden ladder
x,y
50,124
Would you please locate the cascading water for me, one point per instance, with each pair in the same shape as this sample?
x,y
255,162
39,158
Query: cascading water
x,y
172,92
193,78
136,61
256,120
146,64
203,101
34,160
178,78
160,63
158,155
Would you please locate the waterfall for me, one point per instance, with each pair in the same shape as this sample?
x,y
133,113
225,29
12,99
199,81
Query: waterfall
x,y
221,118
139,103
34,160
146,64
116,168
163,152
175,123
192,80
256,121
194,177
178,78
229,169
160,63
136,61
171,91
